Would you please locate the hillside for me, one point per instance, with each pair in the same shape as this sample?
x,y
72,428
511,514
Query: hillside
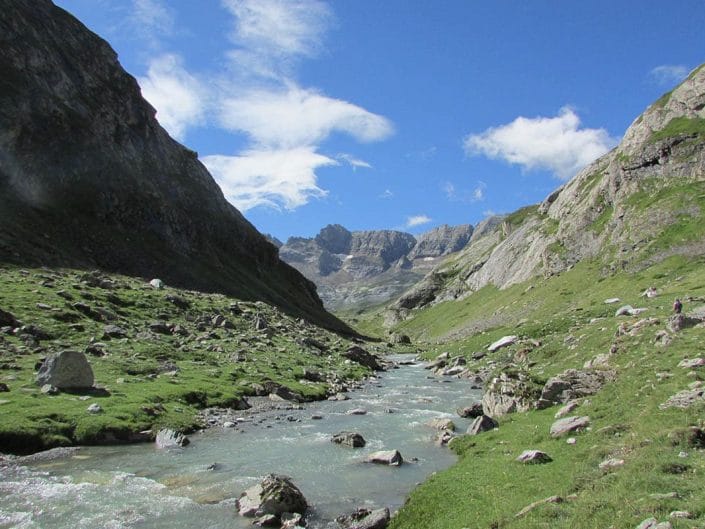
x,y
360,269
564,310
89,179
635,206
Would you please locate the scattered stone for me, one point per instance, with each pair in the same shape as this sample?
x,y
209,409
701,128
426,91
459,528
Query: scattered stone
x,y
168,438
352,439
628,310
8,320
441,424
534,457
502,342
573,384
611,301
94,408
291,520
470,412
653,523
268,520
261,323
316,417
274,495
665,496
313,376
443,437
113,331
571,440
681,514
692,363
178,301
483,423
157,284
678,322
684,399
4,387
386,457
568,408
569,424
399,339
339,397
359,355
532,506
66,370
365,519
611,463
48,389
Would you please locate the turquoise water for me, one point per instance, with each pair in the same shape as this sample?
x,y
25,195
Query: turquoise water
x,y
142,487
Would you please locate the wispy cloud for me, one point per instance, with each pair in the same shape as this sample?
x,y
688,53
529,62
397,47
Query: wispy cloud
x,y
179,98
477,194
417,220
557,144
274,178
353,162
387,193
152,20
669,74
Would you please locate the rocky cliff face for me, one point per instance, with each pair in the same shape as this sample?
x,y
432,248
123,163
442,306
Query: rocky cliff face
x,y
89,179
363,268
620,210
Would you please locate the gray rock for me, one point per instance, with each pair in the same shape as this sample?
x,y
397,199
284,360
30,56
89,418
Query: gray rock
x,y
443,437
168,438
653,523
157,284
361,356
441,424
48,389
66,370
8,320
565,410
386,457
534,457
356,411
352,439
573,384
692,363
678,322
532,506
502,342
569,424
483,423
509,393
470,412
113,331
365,519
442,240
94,408
684,399
274,495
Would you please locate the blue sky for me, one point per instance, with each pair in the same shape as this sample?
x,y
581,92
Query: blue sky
x,y
396,114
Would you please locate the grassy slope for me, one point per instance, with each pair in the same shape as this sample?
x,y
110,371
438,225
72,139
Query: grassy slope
x,y
486,488
136,370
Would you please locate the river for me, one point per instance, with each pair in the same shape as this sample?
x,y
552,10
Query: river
x,y
138,486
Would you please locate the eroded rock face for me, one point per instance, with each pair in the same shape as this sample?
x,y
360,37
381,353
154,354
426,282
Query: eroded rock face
x,y
274,495
573,384
509,393
66,370
86,167
442,240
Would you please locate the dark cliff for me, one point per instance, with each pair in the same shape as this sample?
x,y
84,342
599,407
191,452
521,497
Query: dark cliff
x,y
89,179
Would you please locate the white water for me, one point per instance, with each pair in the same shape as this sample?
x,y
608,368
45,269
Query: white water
x,y
138,486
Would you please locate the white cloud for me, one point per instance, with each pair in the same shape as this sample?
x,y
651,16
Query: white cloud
x,y
152,16
353,162
669,74
272,178
449,190
477,194
178,97
387,193
295,116
417,220
557,144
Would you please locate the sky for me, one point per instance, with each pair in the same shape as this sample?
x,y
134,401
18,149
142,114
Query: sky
x,y
396,114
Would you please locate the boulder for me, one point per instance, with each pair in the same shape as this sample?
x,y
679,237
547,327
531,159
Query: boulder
x,y
399,339
443,437
113,331
483,423
692,363
365,519
8,320
573,384
356,411
352,439
568,408
472,411
274,495
94,408
157,284
441,424
502,342
168,438
358,355
66,370
508,393
534,457
678,322
569,424
386,457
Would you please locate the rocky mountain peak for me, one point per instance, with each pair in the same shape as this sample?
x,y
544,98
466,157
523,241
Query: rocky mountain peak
x,y
442,241
335,239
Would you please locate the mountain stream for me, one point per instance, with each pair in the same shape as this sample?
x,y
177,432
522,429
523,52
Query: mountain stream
x,y
138,486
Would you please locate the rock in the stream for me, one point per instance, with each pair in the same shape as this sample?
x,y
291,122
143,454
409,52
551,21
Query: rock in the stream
x,y
168,438
441,424
470,412
274,495
66,370
534,457
386,457
353,439
483,423
365,519
569,424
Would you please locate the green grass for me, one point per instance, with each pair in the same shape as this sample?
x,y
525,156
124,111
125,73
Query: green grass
x,y
680,125
148,380
568,316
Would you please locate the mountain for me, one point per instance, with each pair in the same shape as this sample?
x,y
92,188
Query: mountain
x,y
365,268
622,210
89,179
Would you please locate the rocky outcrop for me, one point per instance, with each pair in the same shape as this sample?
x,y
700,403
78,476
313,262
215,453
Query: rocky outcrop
x,y
568,425
509,393
66,370
89,179
442,240
573,384
360,356
168,438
